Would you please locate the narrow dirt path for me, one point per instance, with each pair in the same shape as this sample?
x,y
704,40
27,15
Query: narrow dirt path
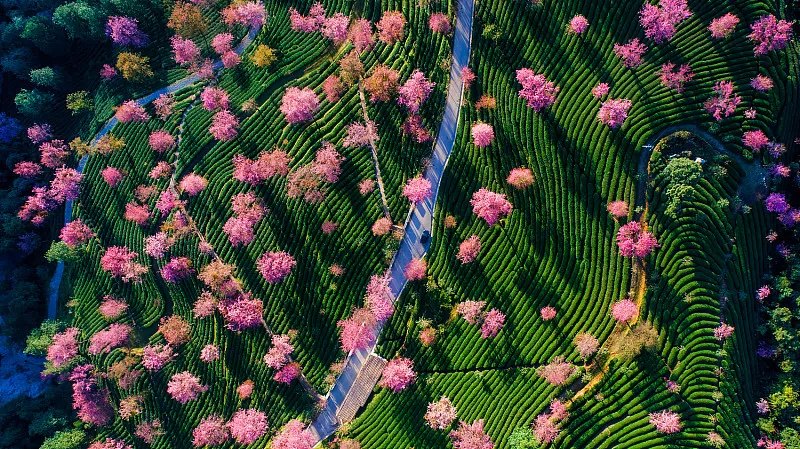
x,y
374,152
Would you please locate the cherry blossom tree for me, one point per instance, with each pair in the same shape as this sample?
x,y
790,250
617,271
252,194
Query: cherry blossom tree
x,y
586,345
777,203
333,88
245,390
294,435
209,353
470,436
175,330
415,91
398,374
335,28
193,184
211,431
722,27
268,164
119,262
65,185
89,399
467,77
618,209
360,34
299,105
221,43
27,169
130,111
112,176
138,214
164,106
414,127
557,372
224,126
614,112
520,178
762,83
675,79
250,14
214,98
416,269
185,51
600,91
482,134
278,355
440,414
548,313
359,135
275,266
536,90
624,310
723,331
155,357
631,53
112,308
148,431
39,133
578,25
161,141
301,23
356,331
724,101
63,348
248,425
391,27
381,227
440,23
107,339
469,249
417,189
471,311
635,241
125,32
490,206
288,373
666,421
755,140
242,312
54,153
76,233
659,22
493,322
185,387
769,34
177,269
382,83
204,305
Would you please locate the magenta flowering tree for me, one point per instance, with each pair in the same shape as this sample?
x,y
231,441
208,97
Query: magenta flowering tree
x,y
417,189
107,339
185,51
769,34
614,112
64,348
327,163
333,88
391,27
214,98
335,28
54,153
268,164
288,373
618,209
248,425
224,126
76,233
161,141
659,22
536,90
469,249
624,310
723,331
155,357
185,387
193,184
601,90
548,313
416,269
164,106
724,101
356,330
381,227
108,72
557,372
275,265
301,23
65,185
119,262
578,25
359,135
490,206
482,134
242,312
493,322
112,307
440,23
249,14
666,421
674,78
278,355
112,176
90,399
470,436
379,296
211,431
755,140
635,241
414,127
27,169
360,34
415,91
221,43
586,345
398,374
471,311
440,414
39,133
777,203
130,111
631,53
125,32
762,83
722,27
294,435
299,105
177,269
520,178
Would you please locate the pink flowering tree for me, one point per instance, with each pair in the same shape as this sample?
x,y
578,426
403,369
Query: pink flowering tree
x,y
360,34
470,436
557,372
107,339
155,357
288,373
631,53
161,141
440,23
76,233
601,90
586,345
275,265
193,184
416,269
482,134
769,34
722,27
335,27
666,421
112,176
398,374
493,322
279,354
63,348
130,111
762,83
242,312
469,249
89,399
379,296
221,43
520,178
119,262
164,106
248,425
417,189
356,331
578,25
536,90
614,112
39,133
224,126
214,98
211,431
185,51
548,313
471,311
673,77
249,14
177,269
490,206
756,140
299,105
333,88
632,240
27,169
359,135
440,414
723,102
391,27
618,209
660,22
415,91
294,435
723,331
624,310
185,387
125,32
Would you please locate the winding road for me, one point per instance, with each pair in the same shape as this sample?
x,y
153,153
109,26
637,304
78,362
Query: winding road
x,y
55,282
419,219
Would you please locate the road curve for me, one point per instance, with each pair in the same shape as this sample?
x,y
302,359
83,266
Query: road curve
x,y
55,282
419,219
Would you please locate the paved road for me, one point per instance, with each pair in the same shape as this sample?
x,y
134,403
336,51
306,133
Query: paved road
x,y
55,283
418,220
